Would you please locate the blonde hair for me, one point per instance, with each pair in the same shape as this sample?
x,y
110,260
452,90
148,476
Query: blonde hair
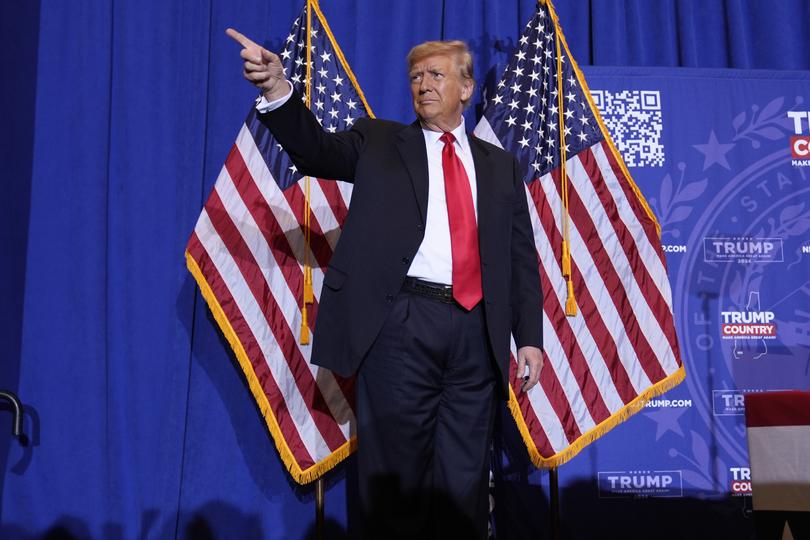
x,y
455,48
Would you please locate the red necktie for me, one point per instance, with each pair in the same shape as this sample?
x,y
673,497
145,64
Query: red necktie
x,y
463,229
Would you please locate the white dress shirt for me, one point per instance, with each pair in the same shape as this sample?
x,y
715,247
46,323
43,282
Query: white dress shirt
x,y
434,259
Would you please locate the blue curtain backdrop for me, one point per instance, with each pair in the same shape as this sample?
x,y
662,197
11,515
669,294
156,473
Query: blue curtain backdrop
x,y
117,117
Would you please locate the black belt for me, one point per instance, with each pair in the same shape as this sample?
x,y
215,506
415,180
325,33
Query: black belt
x,y
436,291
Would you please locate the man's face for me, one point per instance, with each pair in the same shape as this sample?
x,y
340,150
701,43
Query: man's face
x,y
438,90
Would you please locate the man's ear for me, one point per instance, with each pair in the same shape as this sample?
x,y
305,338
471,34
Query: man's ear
x,y
467,89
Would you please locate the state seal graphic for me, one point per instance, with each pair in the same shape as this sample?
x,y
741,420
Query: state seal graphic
x,y
742,285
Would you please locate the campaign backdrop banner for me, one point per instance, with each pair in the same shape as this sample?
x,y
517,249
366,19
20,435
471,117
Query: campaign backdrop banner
x,y
723,159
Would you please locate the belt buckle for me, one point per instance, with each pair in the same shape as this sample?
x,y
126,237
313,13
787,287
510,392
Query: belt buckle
x,y
442,292
447,293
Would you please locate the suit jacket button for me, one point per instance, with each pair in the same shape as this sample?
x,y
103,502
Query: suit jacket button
x,y
389,298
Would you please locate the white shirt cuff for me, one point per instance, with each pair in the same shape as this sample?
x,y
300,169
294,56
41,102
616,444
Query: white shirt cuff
x,y
264,106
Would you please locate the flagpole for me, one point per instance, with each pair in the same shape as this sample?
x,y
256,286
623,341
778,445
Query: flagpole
x,y
308,296
319,509
308,293
554,493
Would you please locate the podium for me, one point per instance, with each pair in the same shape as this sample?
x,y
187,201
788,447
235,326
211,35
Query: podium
x,y
778,431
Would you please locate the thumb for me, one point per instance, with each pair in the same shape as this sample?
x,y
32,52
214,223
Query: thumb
x,y
521,367
268,57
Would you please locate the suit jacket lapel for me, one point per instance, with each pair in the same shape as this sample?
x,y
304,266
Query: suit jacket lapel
x,y
411,147
485,186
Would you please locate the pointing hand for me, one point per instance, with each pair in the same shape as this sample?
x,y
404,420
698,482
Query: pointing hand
x,y
262,68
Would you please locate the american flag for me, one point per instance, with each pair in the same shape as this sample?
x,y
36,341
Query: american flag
x,y
253,244
620,349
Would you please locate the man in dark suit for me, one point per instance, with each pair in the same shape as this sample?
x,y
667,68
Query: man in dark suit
x,y
435,266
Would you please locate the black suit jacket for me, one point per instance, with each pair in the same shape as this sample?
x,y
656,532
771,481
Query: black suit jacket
x,y
387,162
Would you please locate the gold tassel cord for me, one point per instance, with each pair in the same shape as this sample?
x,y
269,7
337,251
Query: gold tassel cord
x,y
570,301
308,295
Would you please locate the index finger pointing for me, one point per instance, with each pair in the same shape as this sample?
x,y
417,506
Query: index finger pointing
x,y
240,38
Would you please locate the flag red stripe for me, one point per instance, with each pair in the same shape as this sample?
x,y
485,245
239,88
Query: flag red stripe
x,y
304,381
647,285
533,424
589,310
548,378
279,244
603,264
556,314
317,241
271,229
589,390
601,336
335,199
538,434
638,209
274,397
559,402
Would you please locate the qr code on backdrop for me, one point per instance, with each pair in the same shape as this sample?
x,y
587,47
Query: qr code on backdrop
x,y
633,118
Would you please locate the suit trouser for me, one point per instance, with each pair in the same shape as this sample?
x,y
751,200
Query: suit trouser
x,y
425,409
